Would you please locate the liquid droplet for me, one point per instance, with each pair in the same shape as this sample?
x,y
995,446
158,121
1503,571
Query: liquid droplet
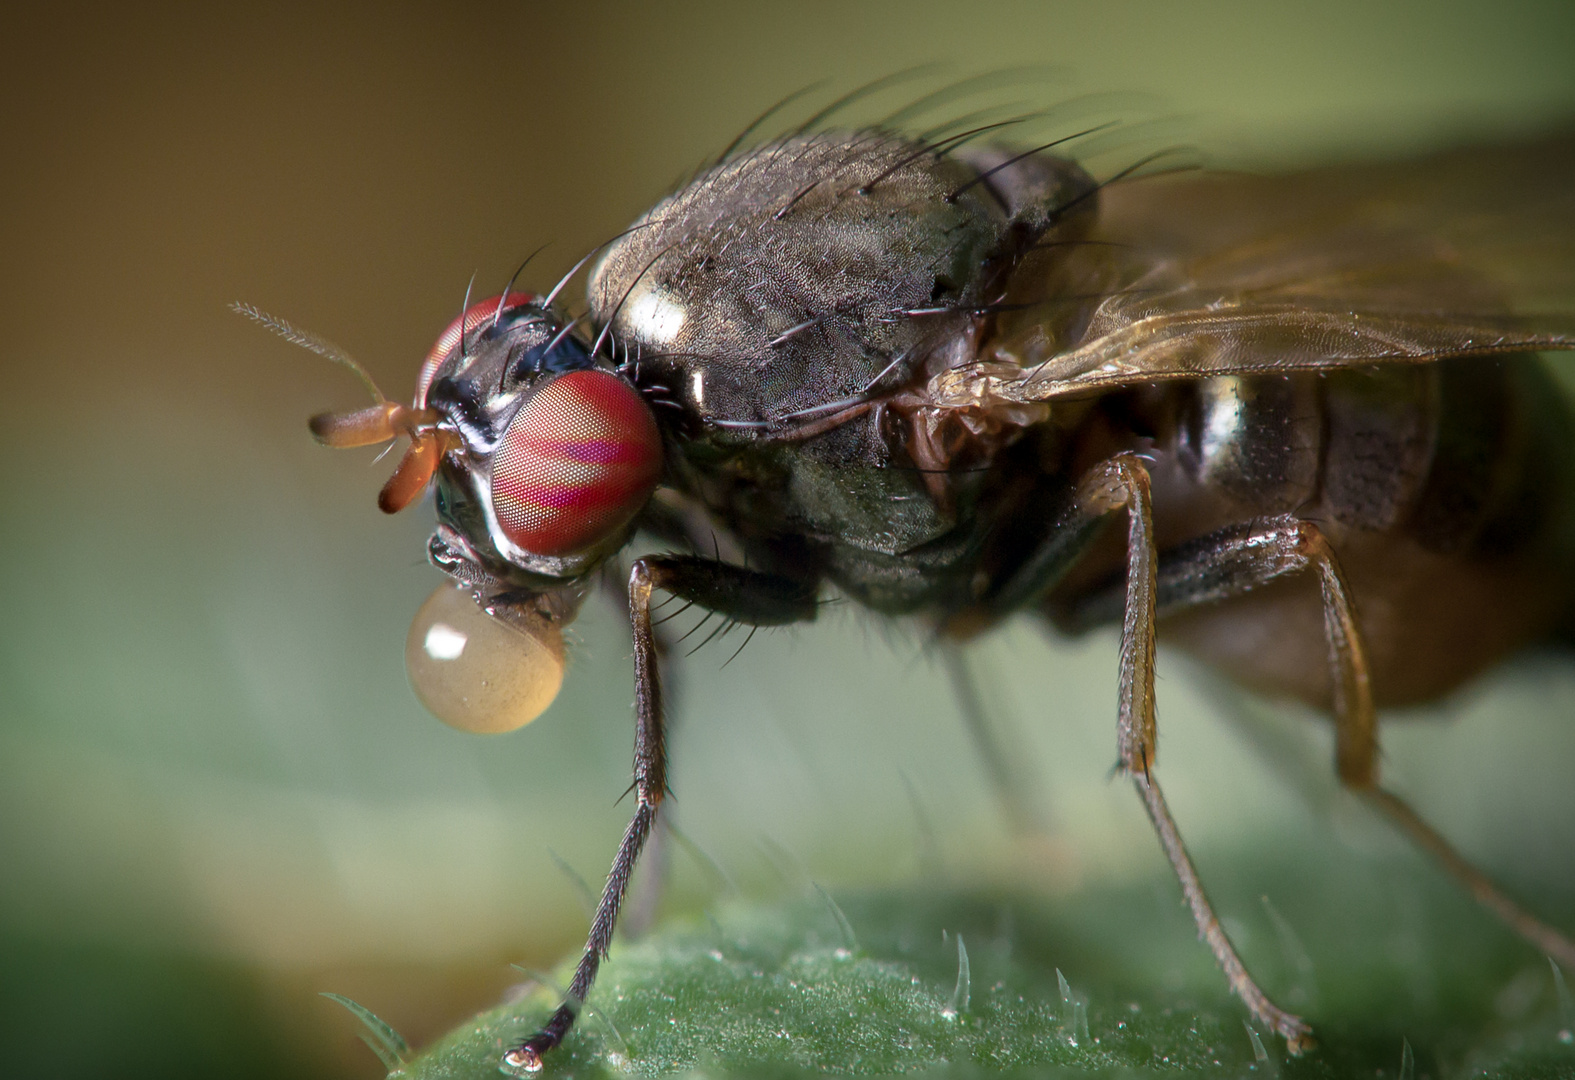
x,y
479,673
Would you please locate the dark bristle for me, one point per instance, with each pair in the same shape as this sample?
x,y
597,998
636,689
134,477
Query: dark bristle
x,y
874,86
937,148
591,254
963,88
747,639
463,308
504,298
791,332
721,631
1009,162
1123,174
1080,242
754,125
613,314
673,615
971,120
695,627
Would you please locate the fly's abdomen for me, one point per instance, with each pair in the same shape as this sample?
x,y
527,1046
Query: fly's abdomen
x,y
1500,479
1445,489
1465,458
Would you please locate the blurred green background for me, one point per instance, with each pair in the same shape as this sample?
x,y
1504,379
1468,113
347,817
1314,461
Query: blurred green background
x,y
218,795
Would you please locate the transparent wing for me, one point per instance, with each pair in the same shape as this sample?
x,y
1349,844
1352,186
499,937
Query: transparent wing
x,y
1464,253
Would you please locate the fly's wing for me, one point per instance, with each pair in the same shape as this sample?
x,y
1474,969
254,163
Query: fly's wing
x,y
1465,253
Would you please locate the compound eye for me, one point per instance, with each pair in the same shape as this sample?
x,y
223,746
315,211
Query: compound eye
x,y
579,459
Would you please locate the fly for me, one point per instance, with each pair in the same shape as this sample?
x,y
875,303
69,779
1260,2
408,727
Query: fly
x,y
1294,422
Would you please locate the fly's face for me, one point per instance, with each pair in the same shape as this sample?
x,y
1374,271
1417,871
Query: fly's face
x,y
541,459
550,456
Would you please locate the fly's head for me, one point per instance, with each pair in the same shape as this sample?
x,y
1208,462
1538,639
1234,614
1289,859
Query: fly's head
x,y
541,460
550,455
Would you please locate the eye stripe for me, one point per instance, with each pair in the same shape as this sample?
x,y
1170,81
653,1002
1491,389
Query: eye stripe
x,y
565,497
585,451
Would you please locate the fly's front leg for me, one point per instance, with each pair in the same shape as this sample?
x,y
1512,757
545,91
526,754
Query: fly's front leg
x,y
1123,483
640,912
745,596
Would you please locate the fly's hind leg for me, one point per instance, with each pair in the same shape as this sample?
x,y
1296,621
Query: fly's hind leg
x,y
1356,760
1123,483
1237,560
1549,940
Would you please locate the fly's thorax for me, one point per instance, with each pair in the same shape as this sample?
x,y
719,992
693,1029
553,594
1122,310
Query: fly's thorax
x,y
795,275
776,305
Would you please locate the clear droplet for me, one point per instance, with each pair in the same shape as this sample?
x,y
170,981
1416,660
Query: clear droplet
x,y
478,673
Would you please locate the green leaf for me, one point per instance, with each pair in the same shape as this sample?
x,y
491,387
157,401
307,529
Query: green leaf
x,y
773,990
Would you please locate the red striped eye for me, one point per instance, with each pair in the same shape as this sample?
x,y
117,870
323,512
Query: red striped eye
x,y
579,459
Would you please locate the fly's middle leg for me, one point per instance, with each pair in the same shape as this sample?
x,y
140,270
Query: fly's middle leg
x,y
1122,483
990,744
